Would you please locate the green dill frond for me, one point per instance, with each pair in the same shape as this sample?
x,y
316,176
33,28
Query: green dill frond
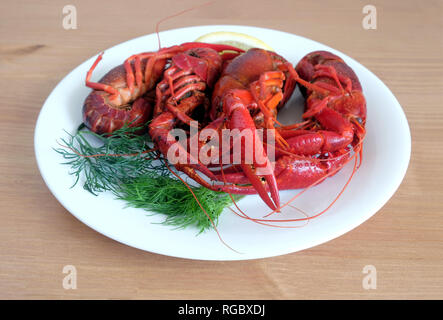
x,y
123,164
163,194
120,156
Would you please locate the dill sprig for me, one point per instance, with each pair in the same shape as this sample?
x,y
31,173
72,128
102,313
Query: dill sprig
x,y
107,161
120,163
163,194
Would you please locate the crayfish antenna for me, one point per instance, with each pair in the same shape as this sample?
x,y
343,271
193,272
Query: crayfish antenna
x,y
157,26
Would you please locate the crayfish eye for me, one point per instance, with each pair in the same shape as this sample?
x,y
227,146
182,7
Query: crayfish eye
x,y
193,54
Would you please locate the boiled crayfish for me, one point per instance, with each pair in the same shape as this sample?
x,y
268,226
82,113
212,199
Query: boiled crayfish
x,y
225,88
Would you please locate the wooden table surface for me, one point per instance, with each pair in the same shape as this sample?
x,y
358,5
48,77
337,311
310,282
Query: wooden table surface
x,y
38,237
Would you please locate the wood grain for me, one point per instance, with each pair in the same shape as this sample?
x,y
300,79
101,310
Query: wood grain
x,y
404,240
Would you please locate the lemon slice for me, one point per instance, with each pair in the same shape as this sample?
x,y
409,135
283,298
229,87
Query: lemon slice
x,y
239,40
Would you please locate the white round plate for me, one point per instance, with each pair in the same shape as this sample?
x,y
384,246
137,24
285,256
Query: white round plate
x,y
386,156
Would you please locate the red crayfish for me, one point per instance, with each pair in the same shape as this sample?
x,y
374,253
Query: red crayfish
x,y
237,90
